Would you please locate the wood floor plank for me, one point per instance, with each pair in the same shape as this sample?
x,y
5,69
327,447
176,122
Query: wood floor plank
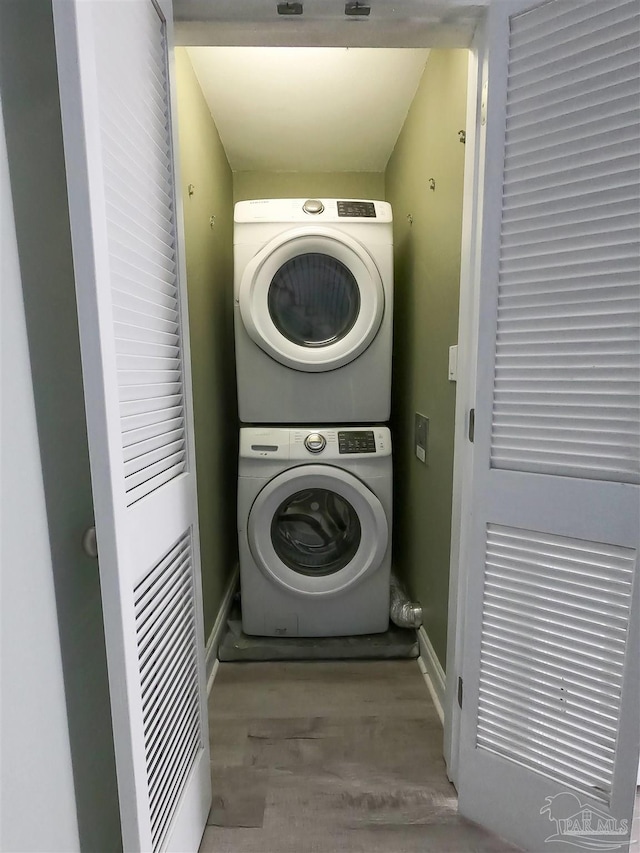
x,y
239,796
261,690
350,756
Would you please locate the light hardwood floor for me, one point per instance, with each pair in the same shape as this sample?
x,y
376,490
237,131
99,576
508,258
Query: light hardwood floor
x,y
333,757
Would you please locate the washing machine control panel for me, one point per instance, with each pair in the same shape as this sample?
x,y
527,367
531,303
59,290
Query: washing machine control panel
x,y
362,441
323,443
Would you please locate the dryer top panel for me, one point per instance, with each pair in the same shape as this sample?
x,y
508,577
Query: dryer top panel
x,y
311,444
295,210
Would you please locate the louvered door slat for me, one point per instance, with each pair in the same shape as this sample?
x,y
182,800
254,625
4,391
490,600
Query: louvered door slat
x,y
122,179
558,599
600,586
161,292
144,322
181,720
151,219
555,113
572,22
575,632
165,622
147,348
152,178
607,180
538,698
151,395
152,407
559,177
521,207
133,254
515,666
133,334
162,306
158,655
165,594
151,430
531,681
544,729
132,421
550,56
605,72
150,377
600,142
144,595
138,176
127,361
148,132
176,681
126,230
165,708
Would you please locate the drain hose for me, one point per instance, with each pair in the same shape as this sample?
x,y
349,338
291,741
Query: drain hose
x,y
404,612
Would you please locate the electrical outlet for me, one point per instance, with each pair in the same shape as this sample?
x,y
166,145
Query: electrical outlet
x,y
421,437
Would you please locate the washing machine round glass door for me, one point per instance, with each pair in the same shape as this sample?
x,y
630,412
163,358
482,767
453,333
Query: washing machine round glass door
x,y
312,299
317,530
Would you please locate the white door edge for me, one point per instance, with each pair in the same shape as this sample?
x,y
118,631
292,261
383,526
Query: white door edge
x,y
465,392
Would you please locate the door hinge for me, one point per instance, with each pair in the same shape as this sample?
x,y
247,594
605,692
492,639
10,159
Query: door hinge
x,y
459,691
472,424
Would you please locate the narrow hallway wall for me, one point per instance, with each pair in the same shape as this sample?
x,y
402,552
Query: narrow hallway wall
x,y
209,261
427,274
247,185
32,676
48,482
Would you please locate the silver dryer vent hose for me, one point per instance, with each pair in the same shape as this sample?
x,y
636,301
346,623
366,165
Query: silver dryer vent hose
x,y
404,612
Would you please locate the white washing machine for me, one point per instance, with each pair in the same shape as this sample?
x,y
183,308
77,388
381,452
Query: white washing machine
x,y
313,310
314,530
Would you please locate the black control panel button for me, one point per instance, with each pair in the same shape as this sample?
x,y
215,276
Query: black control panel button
x,y
357,208
360,441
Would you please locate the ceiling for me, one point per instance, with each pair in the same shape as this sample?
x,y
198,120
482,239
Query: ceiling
x,y
323,23
308,109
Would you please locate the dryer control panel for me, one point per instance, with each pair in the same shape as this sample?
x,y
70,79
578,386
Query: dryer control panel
x,y
356,208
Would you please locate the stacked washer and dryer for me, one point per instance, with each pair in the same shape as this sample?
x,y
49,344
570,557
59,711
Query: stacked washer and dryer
x,y
313,314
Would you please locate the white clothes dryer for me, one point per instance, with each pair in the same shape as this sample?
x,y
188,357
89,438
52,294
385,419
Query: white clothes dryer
x,y
314,530
313,310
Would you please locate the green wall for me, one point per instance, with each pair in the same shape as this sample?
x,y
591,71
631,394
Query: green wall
x,y
248,185
427,273
209,260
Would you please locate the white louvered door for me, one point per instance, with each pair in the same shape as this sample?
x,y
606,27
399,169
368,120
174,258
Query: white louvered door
x,y
114,65
550,719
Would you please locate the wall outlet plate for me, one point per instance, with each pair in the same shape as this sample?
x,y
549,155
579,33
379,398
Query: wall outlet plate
x,y
421,436
453,363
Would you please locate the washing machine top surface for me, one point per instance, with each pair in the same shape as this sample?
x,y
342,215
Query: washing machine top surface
x,y
336,445
313,210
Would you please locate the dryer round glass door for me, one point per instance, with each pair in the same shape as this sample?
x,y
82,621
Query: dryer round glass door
x,y
312,299
317,530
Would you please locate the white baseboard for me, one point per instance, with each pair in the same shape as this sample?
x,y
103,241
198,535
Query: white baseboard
x,y
211,650
432,671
